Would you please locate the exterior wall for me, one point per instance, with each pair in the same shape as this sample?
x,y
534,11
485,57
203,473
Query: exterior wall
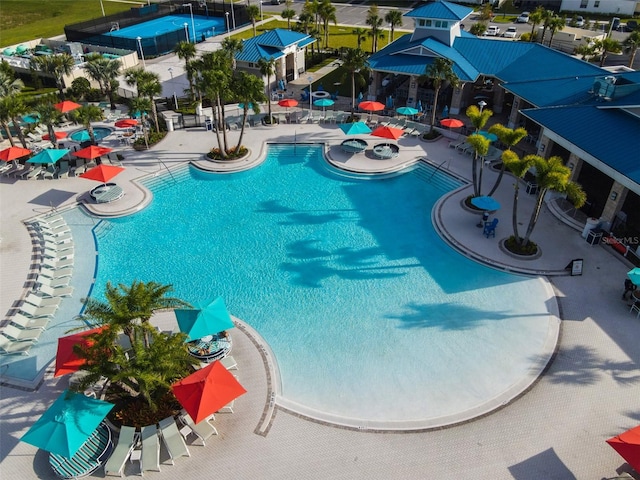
x,y
569,38
622,7
615,200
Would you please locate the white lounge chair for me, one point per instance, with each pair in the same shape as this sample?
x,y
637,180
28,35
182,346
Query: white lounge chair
x,y
56,292
56,272
202,430
35,172
52,221
227,408
54,230
20,335
58,247
53,282
63,172
172,439
38,301
58,254
150,459
57,239
229,363
37,312
122,451
8,346
28,323
57,264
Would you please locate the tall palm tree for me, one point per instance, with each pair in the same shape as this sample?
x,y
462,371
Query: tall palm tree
x,y
354,62
267,68
233,46
518,167
361,34
104,71
143,106
56,66
253,12
439,73
11,109
536,18
288,14
606,46
394,19
631,44
249,90
479,118
375,22
186,51
509,137
9,85
87,114
546,18
148,86
556,24
49,116
327,13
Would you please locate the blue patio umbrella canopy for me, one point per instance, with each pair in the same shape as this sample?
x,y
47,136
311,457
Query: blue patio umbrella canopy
x,y
407,111
67,424
485,203
356,128
634,276
492,137
323,102
49,155
209,319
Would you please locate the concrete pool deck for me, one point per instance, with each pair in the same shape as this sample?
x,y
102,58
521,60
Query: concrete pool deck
x,y
556,430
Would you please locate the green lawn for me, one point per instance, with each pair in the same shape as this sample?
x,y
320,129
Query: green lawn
x,y
22,20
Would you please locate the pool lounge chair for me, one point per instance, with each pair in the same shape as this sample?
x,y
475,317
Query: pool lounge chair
x,y
57,239
20,335
58,253
202,430
56,292
56,272
21,321
35,172
229,363
63,172
228,408
53,282
38,301
172,439
54,230
57,264
150,458
89,458
37,312
126,442
8,346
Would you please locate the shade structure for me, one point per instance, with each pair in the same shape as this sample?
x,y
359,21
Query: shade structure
x,y
66,106
627,444
67,424
13,153
370,106
58,135
355,128
66,359
81,136
210,318
492,137
407,111
451,123
49,155
102,173
92,151
207,390
126,123
634,276
388,132
323,102
485,203
288,102
32,118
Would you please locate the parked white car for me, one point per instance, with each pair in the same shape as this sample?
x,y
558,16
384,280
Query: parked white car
x,y
492,31
511,32
523,18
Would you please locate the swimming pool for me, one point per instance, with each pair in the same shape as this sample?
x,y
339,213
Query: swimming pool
x,y
372,318
83,135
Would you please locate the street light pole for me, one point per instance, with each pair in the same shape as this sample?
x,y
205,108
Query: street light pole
x,y
226,16
102,7
186,32
482,104
389,37
193,26
310,96
139,39
233,15
261,15
175,98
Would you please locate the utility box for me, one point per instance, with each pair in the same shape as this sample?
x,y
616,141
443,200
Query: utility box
x,y
594,237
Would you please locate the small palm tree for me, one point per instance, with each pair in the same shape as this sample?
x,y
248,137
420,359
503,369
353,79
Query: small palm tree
x,y
327,13
11,109
438,73
143,106
375,22
253,12
267,68
87,114
250,91
55,65
556,24
518,167
394,19
288,14
536,18
361,34
479,118
233,46
104,71
509,137
606,46
186,51
631,44
49,116
546,19
148,86
354,62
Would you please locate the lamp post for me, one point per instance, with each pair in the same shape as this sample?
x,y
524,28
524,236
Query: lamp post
x,y
193,25
226,16
310,78
102,7
389,37
482,104
261,16
233,15
175,98
186,31
139,39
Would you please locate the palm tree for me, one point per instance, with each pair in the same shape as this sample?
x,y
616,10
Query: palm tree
x,y
479,118
87,114
556,24
11,108
439,72
148,85
509,137
49,116
546,18
249,90
375,22
233,46
361,34
631,44
394,19
536,18
186,51
478,29
142,105
606,46
55,65
354,62
518,167
267,68
587,50
288,13
253,12
104,71
9,85
327,13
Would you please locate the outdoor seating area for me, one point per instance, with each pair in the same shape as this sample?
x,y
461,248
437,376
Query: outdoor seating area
x,y
386,151
354,145
210,347
109,192
90,457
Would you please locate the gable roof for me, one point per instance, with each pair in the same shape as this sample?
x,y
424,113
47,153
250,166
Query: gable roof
x,y
271,44
441,10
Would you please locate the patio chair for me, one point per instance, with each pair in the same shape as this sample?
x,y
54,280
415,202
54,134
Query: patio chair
x,y
63,172
53,282
56,292
50,172
27,323
202,430
150,457
57,239
6,167
56,272
55,264
37,301
635,306
229,363
37,312
35,172
126,442
228,408
53,230
172,439
14,333
22,173
490,228
8,346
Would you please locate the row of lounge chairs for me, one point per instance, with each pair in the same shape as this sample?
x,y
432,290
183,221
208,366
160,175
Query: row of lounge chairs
x,y
52,283
89,458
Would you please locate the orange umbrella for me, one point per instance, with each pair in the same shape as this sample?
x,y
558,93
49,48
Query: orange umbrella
x,y
12,153
126,123
371,106
58,135
288,102
207,390
388,132
451,123
66,106
102,173
627,444
66,359
92,152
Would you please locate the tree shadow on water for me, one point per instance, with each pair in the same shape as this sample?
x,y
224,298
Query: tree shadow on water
x,y
312,273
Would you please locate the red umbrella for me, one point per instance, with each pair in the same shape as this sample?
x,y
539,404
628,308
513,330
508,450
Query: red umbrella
x,y
627,444
12,153
288,102
371,106
207,390
388,132
66,359
58,135
102,173
92,152
66,106
451,123
126,123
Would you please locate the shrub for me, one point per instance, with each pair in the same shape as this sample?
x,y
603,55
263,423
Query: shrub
x,y
154,137
214,154
530,248
94,95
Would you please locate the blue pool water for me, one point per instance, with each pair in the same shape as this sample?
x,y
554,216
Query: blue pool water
x,y
83,135
172,23
370,315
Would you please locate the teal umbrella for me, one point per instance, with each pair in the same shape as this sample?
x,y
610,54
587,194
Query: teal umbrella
x,y
485,203
634,276
80,136
492,137
67,424
323,102
356,128
407,111
49,155
209,319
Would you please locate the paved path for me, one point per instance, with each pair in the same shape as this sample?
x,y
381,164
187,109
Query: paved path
x,y
556,430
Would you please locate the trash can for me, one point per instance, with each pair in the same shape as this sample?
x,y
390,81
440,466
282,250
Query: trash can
x,y
590,225
169,122
208,124
594,237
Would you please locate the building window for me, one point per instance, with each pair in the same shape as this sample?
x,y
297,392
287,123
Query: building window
x,y
584,3
596,4
421,22
441,24
427,23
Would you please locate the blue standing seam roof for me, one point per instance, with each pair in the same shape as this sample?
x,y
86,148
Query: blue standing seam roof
x,y
271,45
441,10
